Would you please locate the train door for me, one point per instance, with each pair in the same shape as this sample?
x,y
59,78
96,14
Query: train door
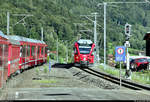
x,y
33,56
39,55
24,51
44,54
41,52
15,50
28,52
28,56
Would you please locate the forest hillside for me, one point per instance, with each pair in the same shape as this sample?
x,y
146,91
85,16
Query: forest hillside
x,y
64,20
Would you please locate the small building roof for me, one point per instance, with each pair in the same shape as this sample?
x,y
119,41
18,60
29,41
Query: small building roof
x,y
147,36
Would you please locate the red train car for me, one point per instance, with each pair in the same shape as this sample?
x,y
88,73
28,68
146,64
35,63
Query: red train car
x,y
18,53
84,53
8,61
32,52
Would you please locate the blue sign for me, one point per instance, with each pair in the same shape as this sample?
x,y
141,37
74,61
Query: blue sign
x,y
120,53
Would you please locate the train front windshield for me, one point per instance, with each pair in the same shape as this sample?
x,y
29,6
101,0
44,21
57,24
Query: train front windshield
x,y
84,50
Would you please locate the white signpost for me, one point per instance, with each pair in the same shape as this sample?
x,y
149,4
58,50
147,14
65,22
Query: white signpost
x,y
120,56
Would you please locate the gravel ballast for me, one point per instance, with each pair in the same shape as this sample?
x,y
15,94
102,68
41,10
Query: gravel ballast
x,y
68,81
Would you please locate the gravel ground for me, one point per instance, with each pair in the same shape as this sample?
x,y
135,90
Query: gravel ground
x,y
57,77
93,80
61,76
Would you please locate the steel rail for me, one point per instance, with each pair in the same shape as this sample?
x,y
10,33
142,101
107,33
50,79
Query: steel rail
x,y
116,80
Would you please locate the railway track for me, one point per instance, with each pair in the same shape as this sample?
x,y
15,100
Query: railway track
x,y
116,80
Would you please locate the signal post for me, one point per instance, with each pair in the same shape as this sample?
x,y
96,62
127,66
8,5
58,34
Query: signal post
x,y
127,44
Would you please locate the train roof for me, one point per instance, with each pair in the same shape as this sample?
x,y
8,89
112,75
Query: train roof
x,y
16,42
20,38
3,35
84,41
14,39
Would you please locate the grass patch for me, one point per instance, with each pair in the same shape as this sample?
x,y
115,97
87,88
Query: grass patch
x,y
141,77
46,81
46,68
47,86
111,71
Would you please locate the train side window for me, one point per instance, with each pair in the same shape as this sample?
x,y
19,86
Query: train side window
x,y
28,50
6,55
38,51
41,50
24,51
45,50
32,51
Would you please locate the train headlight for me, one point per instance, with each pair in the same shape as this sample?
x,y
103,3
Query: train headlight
x,y
84,59
77,57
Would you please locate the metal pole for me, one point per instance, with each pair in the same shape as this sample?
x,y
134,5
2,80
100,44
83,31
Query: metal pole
x,y
57,50
41,33
8,23
120,74
105,4
95,37
127,59
128,73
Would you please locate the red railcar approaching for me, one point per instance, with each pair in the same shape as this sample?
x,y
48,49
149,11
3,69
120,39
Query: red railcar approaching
x,y
18,53
84,53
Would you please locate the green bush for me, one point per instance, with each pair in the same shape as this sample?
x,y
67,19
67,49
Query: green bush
x,y
45,69
61,60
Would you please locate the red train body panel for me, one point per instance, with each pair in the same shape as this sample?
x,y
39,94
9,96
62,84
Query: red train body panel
x,y
83,53
18,53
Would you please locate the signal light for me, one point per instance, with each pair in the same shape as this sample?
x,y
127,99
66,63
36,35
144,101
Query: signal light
x,y
127,29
